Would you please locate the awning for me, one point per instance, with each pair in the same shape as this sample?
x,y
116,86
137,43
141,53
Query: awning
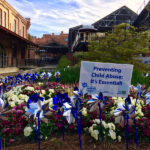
x,y
5,30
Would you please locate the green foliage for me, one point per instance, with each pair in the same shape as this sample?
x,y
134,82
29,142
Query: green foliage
x,y
70,75
63,62
137,77
123,45
29,37
46,131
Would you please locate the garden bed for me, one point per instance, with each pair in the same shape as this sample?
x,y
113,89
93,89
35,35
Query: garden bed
x,y
71,142
18,128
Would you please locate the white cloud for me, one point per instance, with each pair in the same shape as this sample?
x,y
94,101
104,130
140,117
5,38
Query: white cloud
x,y
58,15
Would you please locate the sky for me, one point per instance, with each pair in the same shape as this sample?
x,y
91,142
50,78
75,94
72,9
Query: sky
x,y
54,16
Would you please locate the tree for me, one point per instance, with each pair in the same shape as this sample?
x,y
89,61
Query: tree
x,y
29,37
123,45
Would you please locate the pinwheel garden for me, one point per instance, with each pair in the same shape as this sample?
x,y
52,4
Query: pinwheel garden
x,y
35,111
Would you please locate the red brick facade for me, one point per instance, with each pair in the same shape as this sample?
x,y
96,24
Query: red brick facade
x,y
61,39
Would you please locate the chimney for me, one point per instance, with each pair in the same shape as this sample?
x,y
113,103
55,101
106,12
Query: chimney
x,y
28,22
62,32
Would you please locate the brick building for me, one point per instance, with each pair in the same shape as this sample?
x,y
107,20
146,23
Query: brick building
x,y
60,39
14,44
51,46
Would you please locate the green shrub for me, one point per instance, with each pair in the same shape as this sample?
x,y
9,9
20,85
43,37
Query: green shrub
x,y
63,62
139,78
70,75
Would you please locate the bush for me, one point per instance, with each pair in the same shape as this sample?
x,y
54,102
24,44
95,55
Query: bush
x,y
63,62
139,78
70,75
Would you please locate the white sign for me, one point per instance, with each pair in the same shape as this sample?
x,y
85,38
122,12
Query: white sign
x,y
109,78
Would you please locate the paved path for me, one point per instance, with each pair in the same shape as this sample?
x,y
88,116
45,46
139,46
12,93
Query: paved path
x,y
30,69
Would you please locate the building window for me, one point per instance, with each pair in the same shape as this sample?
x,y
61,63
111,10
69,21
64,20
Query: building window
x,y
81,36
23,53
23,31
4,19
87,36
15,26
0,17
14,51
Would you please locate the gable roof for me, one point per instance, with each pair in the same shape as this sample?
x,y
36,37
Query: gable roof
x,y
143,20
121,15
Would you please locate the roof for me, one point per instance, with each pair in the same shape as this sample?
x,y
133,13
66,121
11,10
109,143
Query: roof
x,y
87,28
61,39
143,20
121,15
72,34
13,34
14,10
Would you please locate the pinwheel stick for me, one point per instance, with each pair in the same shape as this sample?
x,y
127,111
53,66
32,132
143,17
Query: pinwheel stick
x,y
63,128
136,99
39,129
0,143
80,122
127,132
79,132
135,121
100,111
35,135
136,132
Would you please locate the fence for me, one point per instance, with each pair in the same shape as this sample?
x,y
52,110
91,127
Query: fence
x,y
14,62
41,61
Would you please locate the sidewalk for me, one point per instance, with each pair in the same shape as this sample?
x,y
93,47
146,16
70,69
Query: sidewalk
x,y
28,69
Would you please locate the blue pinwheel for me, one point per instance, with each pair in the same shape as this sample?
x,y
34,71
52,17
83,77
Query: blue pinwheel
x,y
57,75
49,75
76,99
27,77
100,102
18,78
125,113
43,75
122,111
71,113
58,102
4,112
141,92
147,98
94,102
34,77
35,105
37,109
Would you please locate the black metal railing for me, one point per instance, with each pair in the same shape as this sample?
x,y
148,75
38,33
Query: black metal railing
x,y
6,61
41,61
14,62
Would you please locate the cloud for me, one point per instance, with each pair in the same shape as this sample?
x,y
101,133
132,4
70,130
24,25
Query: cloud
x,y
50,16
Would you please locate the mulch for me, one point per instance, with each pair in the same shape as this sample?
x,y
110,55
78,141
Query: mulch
x,y
71,142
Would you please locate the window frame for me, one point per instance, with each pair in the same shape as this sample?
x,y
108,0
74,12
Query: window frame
x,y
5,19
23,31
1,16
15,23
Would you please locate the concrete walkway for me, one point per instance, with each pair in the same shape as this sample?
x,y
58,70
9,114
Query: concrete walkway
x,y
25,69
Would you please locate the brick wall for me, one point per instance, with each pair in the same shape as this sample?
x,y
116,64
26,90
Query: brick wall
x,y
61,39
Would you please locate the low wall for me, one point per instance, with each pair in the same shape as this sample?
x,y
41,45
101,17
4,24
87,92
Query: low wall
x,y
8,70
